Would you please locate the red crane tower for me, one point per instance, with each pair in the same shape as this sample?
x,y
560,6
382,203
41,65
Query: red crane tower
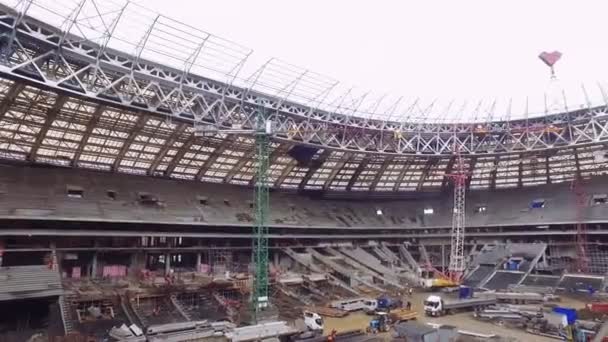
x,y
457,259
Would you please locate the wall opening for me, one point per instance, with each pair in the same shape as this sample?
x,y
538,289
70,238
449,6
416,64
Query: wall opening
x,y
75,192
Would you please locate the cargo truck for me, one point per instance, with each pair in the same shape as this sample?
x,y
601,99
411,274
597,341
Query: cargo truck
x,y
436,306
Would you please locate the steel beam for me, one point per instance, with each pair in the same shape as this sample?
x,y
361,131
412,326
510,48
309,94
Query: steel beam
x,y
314,125
448,170
402,174
10,97
577,164
286,171
311,171
51,115
272,158
219,150
520,174
141,122
430,163
472,163
547,170
249,156
493,173
180,154
88,131
380,173
362,165
336,169
173,138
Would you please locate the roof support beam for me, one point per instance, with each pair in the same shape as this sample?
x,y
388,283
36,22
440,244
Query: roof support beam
x,y
337,168
577,163
174,137
362,165
520,174
141,122
272,158
401,176
93,121
494,173
547,173
448,170
249,156
50,118
472,163
286,171
219,150
380,173
10,97
317,164
179,155
425,172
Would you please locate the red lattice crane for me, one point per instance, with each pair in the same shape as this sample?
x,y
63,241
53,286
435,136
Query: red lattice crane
x,y
458,177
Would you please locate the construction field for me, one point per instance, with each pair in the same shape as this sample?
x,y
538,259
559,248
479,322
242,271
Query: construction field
x,y
463,321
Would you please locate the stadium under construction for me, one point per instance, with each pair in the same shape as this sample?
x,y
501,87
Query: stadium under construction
x,y
147,196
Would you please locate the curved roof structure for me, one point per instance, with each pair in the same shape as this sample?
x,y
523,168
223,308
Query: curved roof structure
x,y
72,100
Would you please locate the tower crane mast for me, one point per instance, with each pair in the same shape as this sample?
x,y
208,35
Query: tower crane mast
x,y
457,259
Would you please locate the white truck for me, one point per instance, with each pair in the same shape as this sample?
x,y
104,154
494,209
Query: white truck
x,y
436,306
313,321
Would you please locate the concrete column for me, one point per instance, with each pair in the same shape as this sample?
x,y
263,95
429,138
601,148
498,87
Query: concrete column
x,y
94,266
443,256
199,257
55,259
277,262
167,263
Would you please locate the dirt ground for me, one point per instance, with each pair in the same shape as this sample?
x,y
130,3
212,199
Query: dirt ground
x,y
463,321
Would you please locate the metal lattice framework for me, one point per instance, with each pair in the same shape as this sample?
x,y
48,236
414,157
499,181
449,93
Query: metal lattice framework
x,y
74,101
457,259
261,209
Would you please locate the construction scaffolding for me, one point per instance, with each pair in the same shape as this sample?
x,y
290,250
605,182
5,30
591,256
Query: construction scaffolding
x,y
597,258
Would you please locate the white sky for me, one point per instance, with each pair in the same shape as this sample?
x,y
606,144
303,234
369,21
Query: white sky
x,y
450,50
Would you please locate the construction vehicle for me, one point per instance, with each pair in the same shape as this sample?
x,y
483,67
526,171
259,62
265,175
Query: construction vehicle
x,y
436,306
380,323
309,328
523,297
313,321
601,308
402,315
384,320
383,304
386,303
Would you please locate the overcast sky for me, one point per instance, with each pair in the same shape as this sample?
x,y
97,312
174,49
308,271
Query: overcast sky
x,y
461,50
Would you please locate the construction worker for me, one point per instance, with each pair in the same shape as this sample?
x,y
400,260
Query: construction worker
x,y
332,336
410,291
408,306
